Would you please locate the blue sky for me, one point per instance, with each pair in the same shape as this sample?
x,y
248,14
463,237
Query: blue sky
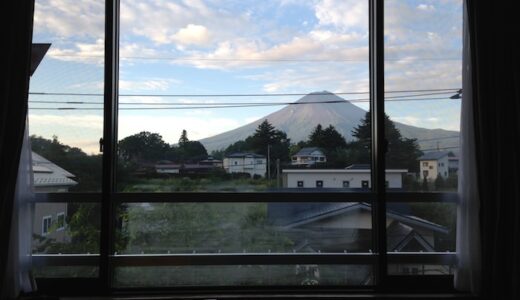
x,y
238,47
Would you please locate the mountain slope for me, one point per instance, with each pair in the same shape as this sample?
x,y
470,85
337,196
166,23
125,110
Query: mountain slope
x,y
299,120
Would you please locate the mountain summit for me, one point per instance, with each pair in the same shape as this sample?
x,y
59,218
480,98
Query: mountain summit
x,y
325,108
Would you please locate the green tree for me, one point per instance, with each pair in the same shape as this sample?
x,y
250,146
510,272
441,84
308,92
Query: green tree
x,y
143,147
439,183
184,137
402,152
189,151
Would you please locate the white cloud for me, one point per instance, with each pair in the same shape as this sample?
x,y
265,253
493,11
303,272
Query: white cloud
x,y
343,14
158,84
192,35
426,7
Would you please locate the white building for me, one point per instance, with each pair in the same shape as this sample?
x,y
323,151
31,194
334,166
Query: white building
x,y
308,156
251,163
338,178
440,162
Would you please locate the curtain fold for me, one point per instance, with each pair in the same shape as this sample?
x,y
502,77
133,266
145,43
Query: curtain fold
x,y
15,60
494,29
19,258
468,273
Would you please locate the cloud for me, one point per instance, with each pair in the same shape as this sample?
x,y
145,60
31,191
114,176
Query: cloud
x,y
192,35
70,19
426,7
346,15
159,84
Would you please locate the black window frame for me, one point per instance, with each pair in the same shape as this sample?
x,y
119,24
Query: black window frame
x,y
377,195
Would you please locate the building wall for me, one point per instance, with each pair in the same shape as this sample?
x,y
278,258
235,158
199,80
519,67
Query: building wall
x,y
42,210
252,166
434,167
335,180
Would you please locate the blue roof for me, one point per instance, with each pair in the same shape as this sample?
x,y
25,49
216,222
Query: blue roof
x,y
244,155
308,150
436,155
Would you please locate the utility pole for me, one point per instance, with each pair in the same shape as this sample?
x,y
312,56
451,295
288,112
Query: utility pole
x,y
278,173
268,162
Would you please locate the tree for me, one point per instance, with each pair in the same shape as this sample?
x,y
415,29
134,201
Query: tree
x,y
439,183
189,151
184,137
402,152
328,139
143,147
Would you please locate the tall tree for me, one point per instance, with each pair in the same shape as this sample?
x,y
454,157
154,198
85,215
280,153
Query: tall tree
x,y
189,151
402,152
143,147
267,136
184,137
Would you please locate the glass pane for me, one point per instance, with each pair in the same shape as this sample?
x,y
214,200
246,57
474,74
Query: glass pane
x,y
423,81
243,96
66,95
250,275
66,272
66,228
421,227
420,269
152,228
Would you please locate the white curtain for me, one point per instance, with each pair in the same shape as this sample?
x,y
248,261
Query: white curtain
x,y
19,278
467,275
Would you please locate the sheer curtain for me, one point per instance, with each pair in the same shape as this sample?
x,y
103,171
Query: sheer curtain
x,y
467,276
19,278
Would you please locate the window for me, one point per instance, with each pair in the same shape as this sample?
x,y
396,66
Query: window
x,y
60,221
201,84
46,225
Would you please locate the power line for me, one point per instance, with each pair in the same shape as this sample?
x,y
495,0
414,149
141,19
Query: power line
x,y
234,106
231,103
441,148
207,59
439,138
236,95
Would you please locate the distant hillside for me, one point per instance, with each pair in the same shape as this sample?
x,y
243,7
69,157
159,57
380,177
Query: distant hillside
x,y
299,120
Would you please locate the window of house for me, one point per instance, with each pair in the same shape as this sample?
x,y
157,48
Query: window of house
x,y
199,79
364,184
60,221
46,225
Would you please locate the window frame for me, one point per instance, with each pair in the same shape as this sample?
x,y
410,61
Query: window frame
x,y
376,195
46,230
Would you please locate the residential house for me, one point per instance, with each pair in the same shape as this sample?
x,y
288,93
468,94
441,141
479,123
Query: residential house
x,y
50,218
308,156
353,177
246,162
432,164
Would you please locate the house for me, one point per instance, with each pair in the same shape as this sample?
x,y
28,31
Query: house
x,y
347,227
351,177
432,164
246,162
308,156
50,218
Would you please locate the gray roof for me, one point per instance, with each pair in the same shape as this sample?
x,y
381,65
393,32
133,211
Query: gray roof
x,y
359,167
436,155
290,215
47,173
308,151
244,155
